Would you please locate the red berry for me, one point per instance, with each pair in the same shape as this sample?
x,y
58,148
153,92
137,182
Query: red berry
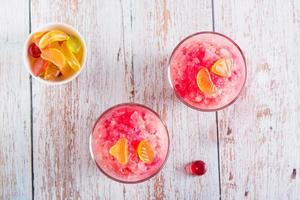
x,y
197,167
34,50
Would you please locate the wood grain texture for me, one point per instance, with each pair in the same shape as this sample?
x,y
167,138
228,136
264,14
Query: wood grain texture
x,y
157,27
64,115
129,43
15,137
259,134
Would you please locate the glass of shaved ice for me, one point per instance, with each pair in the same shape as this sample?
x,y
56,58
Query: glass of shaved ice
x,y
207,71
129,143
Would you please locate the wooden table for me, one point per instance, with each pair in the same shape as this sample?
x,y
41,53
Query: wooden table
x,y
252,148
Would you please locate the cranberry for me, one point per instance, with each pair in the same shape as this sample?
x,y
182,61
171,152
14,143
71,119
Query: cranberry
x,y
197,168
34,50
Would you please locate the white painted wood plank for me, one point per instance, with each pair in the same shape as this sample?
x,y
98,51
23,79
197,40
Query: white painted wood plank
x,y
157,27
15,142
64,115
259,134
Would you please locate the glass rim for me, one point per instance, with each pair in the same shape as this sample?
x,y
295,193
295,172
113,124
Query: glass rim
x,y
171,83
92,153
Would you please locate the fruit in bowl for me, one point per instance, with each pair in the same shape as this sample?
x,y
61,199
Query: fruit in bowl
x,y
55,53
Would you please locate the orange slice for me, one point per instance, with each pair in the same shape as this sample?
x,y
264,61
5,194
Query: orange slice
x,y
205,83
37,36
55,56
52,36
52,72
70,57
120,151
222,67
55,45
145,152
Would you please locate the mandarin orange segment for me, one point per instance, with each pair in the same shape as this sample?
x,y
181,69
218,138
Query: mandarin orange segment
x,y
52,36
205,83
52,72
66,71
222,67
55,56
145,152
120,151
55,45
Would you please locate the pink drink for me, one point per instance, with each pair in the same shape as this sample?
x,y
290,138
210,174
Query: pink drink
x,y
203,50
135,123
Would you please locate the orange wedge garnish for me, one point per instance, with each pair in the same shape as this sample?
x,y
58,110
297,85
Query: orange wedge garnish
x,y
120,151
205,83
222,67
52,36
145,152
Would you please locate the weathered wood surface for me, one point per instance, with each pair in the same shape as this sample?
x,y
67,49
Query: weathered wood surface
x,y
157,26
259,135
64,115
129,43
15,143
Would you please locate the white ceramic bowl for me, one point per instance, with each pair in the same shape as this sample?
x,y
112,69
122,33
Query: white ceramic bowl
x,y
64,27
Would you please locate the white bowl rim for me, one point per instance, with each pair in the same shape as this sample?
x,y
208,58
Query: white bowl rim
x,y
51,26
